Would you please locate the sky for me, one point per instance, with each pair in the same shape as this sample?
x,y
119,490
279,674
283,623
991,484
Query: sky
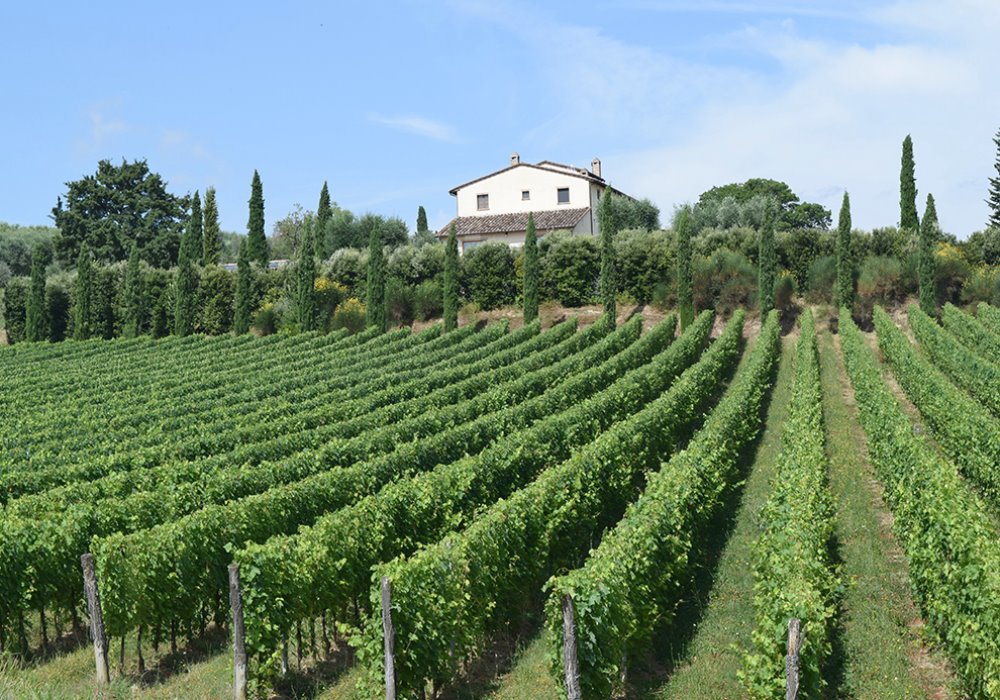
x,y
393,103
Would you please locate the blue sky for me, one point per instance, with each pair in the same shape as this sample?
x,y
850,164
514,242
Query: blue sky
x,y
394,103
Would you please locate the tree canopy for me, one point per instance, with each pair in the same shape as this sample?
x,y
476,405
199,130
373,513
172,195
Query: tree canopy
x,y
792,212
118,206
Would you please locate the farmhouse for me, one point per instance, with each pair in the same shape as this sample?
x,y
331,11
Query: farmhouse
x,y
495,207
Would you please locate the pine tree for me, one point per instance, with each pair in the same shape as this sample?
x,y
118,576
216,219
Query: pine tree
x,y
531,272
767,259
908,189
306,276
244,290
994,199
255,225
211,249
323,214
36,321
925,265
191,241
421,220
375,301
83,295
451,281
184,295
609,277
132,291
845,268
685,295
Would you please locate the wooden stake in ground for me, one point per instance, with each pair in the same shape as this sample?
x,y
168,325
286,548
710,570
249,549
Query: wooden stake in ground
x,y
93,596
239,635
390,640
792,660
570,663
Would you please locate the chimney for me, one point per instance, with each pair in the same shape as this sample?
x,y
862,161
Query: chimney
x,y
595,167
515,159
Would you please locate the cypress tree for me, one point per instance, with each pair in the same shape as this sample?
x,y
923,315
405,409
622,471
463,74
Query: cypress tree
x,y
191,241
767,259
994,198
609,277
184,295
531,273
323,214
421,220
685,294
375,302
255,225
908,189
83,295
845,269
451,281
244,290
925,267
211,249
36,322
306,276
132,291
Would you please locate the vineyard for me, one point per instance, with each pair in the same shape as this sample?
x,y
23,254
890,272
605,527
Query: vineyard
x,y
761,508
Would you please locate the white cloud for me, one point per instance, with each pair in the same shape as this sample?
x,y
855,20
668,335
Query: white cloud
x,y
101,131
421,126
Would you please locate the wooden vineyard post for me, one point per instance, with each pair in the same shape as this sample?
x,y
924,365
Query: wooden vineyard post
x,y
570,663
792,660
93,596
390,640
239,635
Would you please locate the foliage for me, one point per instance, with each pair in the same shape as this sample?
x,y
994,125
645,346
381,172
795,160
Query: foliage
x,y
793,571
83,295
415,263
427,300
799,248
767,264
215,301
132,293
908,189
570,267
17,243
192,241
349,267
489,276
244,296
266,319
323,213
116,208
644,260
609,227
636,214
982,285
784,292
734,204
256,241
375,298
211,245
928,233
185,296
57,303
726,281
328,294
15,302
398,303
306,282
36,321
845,266
993,198
532,272
451,281
685,294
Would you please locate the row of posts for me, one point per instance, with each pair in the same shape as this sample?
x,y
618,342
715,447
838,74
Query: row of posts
x,y
570,663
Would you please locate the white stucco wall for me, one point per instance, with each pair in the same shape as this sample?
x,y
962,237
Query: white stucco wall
x,y
504,190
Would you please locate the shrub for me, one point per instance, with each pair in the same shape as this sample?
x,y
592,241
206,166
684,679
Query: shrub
x,y
215,301
644,260
663,298
57,301
328,295
784,291
349,314
725,281
265,321
981,284
879,283
349,267
489,275
415,264
398,302
799,248
821,280
569,265
950,273
428,300
15,301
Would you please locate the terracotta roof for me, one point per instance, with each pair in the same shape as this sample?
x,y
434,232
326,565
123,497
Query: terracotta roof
x,y
510,223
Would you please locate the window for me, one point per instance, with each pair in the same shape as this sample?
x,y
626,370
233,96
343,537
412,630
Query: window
x,y
525,195
562,195
469,245
482,202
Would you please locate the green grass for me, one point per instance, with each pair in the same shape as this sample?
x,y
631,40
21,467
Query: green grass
x,y
707,667
877,645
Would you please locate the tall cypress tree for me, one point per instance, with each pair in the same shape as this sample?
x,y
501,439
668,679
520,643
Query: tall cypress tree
x,y
609,276
244,290
255,224
132,291
421,220
925,266
845,268
323,214
451,281
375,302
83,295
531,272
685,293
211,248
908,189
191,241
306,277
36,321
994,198
184,295
767,259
